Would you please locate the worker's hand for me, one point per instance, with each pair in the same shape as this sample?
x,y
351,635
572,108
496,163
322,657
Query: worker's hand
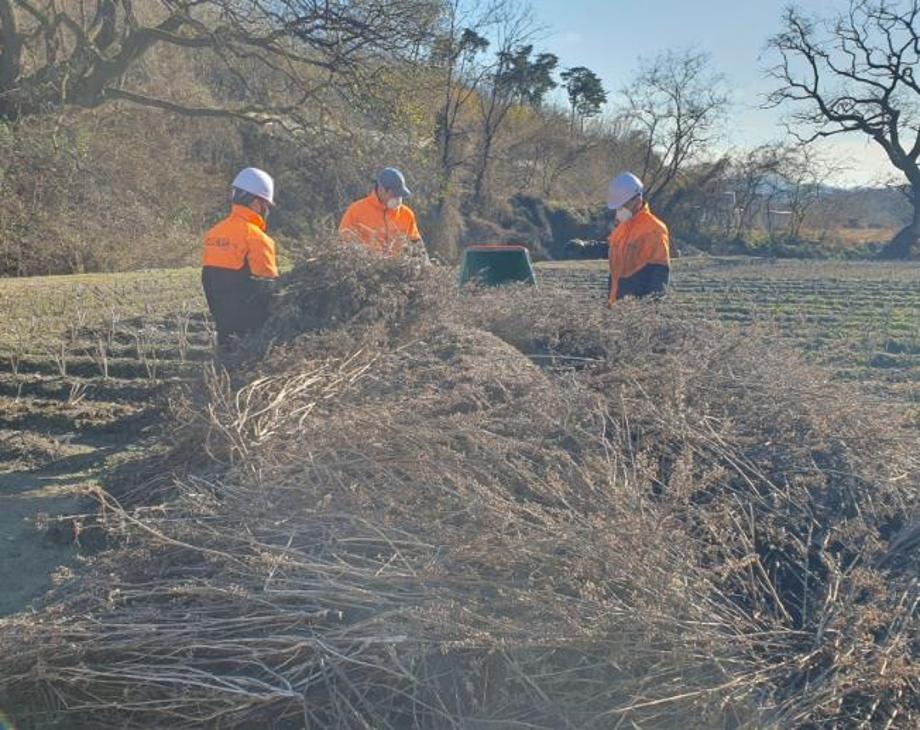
x,y
419,250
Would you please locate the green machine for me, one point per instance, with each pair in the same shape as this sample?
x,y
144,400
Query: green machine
x,y
496,264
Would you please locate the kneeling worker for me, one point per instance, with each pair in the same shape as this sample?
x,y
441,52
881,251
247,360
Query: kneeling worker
x,y
381,221
639,255
239,264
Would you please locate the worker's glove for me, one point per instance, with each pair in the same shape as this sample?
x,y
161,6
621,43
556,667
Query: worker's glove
x,y
575,246
591,249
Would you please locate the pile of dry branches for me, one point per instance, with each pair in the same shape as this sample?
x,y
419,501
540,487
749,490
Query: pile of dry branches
x,y
500,511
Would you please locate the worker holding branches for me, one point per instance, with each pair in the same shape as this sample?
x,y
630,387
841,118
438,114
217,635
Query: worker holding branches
x,y
239,264
381,221
640,250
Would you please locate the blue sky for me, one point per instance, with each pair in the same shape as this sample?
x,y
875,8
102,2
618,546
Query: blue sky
x,y
609,37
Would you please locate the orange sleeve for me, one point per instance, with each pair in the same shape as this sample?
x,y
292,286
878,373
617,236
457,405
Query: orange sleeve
x,y
615,265
261,257
348,220
413,233
666,245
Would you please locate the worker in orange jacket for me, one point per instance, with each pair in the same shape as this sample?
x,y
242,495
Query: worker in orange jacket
x,y
381,221
640,249
239,263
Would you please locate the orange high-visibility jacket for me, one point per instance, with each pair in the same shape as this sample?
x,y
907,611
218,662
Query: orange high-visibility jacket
x,y
635,244
371,223
240,239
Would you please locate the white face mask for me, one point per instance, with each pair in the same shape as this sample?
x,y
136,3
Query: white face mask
x,y
394,203
624,214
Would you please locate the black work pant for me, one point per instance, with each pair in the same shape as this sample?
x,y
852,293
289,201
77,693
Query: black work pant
x,y
649,281
239,304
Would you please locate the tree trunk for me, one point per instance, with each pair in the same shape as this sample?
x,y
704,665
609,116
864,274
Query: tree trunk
x,y
915,226
10,47
906,245
443,240
480,184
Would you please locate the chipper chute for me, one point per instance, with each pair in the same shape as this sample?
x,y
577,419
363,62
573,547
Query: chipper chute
x,y
495,265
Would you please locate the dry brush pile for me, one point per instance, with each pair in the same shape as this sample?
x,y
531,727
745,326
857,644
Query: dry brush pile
x,y
419,509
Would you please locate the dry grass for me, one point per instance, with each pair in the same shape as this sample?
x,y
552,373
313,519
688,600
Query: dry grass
x,y
501,510
101,332
102,302
26,450
844,236
860,321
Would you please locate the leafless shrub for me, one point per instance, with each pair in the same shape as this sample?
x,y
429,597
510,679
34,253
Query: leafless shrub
x,y
76,324
60,354
146,350
210,332
100,356
112,327
77,393
183,322
345,288
674,520
22,340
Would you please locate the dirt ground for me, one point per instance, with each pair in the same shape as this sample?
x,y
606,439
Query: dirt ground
x,y
40,492
29,554
81,361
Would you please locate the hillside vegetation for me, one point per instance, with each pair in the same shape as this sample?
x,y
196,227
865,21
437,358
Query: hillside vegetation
x,y
127,169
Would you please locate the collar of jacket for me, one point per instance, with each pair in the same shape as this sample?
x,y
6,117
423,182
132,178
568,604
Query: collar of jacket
x,y
640,214
375,201
248,215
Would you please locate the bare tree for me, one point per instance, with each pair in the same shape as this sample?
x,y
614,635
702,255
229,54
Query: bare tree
x,y
557,152
476,92
455,54
515,77
675,106
64,52
855,73
778,180
750,179
801,183
457,50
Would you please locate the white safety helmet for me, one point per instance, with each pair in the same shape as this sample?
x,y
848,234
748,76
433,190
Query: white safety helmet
x,y
623,188
256,182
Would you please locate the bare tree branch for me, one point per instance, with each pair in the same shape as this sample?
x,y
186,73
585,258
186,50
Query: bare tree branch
x,y
54,53
675,105
855,73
